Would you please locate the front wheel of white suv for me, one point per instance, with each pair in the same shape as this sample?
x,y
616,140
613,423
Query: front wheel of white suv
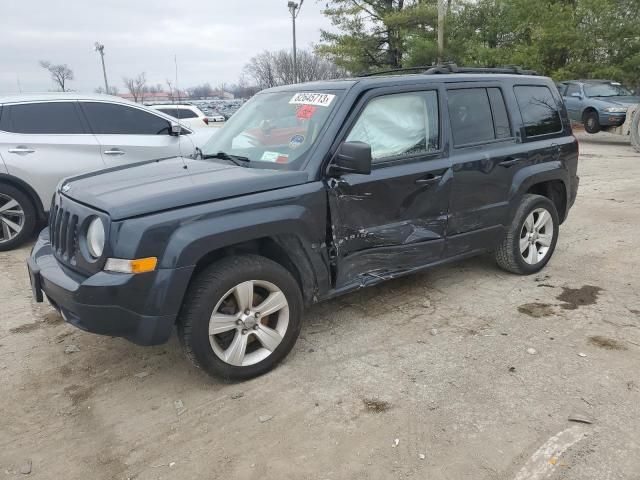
x,y
17,217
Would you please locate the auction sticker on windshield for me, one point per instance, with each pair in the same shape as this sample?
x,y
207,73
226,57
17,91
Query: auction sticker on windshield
x,y
275,157
317,99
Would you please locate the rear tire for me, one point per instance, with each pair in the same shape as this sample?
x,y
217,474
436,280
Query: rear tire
x,y
530,240
241,316
591,122
17,217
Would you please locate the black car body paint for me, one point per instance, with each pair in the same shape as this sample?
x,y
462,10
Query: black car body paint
x,y
335,233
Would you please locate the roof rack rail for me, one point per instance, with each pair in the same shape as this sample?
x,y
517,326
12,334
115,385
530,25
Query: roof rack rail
x,y
453,68
421,68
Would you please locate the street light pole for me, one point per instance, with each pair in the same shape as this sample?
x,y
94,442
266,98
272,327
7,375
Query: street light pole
x,y
441,14
294,9
100,49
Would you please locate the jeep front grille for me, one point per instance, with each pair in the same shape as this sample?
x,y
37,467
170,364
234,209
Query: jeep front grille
x,y
63,233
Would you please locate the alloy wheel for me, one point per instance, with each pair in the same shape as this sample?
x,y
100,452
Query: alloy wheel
x,y
12,218
536,236
249,323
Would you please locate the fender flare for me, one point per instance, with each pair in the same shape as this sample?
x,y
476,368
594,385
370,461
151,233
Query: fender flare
x,y
28,190
535,174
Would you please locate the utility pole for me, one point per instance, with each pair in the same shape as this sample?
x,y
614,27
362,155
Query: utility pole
x,y
441,13
294,9
100,49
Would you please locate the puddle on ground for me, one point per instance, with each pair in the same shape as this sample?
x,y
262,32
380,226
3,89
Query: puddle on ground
x,y
376,406
608,343
27,327
579,297
536,310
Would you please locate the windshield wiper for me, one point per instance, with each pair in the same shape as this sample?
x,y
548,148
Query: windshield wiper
x,y
235,159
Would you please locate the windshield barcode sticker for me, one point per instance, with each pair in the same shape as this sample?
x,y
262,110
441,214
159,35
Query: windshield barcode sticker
x,y
317,99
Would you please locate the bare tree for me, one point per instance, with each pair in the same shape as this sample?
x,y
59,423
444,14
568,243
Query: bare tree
x,y
60,74
170,85
112,90
136,86
270,69
200,91
262,69
243,89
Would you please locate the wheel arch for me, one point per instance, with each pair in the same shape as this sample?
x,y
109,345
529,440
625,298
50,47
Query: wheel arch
x,y
284,249
25,188
554,190
588,110
548,180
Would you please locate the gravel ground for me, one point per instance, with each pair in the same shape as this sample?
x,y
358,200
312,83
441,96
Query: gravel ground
x,y
463,372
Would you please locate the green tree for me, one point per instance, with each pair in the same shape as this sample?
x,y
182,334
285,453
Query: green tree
x,y
375,34
560,38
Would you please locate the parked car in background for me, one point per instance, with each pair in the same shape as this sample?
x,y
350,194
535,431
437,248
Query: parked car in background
x,y
46,137
216,117
188,115
311,191
598,104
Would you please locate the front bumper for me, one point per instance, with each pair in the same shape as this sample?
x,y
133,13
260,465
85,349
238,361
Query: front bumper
x,y
141,308
611,119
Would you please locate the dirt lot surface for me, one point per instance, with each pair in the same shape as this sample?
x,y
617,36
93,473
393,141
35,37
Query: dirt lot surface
x,y
463,372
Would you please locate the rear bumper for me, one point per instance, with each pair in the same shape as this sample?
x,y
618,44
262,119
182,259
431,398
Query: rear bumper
x,y
107,303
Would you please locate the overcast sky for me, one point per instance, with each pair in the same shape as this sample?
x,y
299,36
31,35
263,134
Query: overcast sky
x,y
212,39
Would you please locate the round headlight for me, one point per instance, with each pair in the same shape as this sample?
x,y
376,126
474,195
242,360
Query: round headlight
x,y
95,238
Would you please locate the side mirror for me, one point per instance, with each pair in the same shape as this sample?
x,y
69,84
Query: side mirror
x,y
176,129
577,95
352,157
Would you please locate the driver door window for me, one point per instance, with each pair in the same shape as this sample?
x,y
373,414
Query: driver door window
x,y
399,125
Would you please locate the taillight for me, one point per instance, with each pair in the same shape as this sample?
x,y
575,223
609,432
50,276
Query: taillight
x,y
205,120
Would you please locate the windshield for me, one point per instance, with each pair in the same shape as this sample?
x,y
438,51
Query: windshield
x,y
606,90
274,130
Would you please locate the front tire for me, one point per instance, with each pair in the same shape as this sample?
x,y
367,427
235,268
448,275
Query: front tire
x,y
17,217
241,316
591,122
530,240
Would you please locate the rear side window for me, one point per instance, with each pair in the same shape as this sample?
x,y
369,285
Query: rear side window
x,y
571,89
478,115
539,109
499,110
398,125
110,118
47,118
179,112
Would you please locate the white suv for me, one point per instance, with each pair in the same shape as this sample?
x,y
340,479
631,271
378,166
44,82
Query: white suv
x,y
188,115
47,137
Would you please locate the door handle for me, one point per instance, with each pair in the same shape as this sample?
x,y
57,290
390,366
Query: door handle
x,y
429,180
21,150
510,162
114,151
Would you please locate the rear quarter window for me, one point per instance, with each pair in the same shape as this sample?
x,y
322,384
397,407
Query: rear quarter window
x,y
539,109
478,115
181,113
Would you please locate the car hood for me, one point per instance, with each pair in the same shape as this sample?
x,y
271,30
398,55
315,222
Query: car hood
x,y
169,183
622,101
